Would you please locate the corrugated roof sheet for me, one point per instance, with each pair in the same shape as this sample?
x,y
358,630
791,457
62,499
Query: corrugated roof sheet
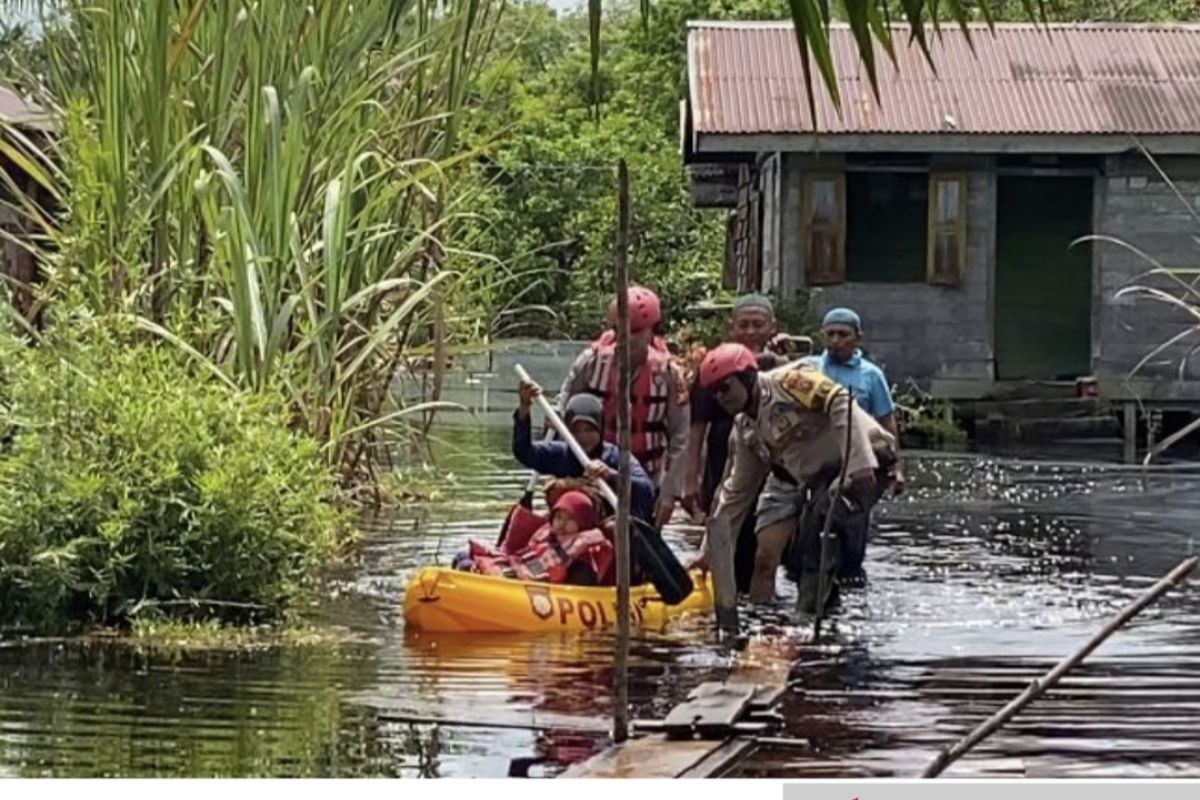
x,y
1103,78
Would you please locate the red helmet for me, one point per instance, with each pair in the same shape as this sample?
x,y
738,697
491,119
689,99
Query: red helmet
x,y
644,309
725,360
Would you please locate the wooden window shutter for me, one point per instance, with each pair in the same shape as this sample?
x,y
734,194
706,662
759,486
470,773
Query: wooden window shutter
x,y
824,210
947,257
729,268
751,278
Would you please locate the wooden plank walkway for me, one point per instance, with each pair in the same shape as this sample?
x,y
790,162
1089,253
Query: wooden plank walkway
x,y
710,711
655,757
764,663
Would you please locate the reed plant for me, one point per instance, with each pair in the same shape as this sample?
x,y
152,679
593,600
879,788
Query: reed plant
x,y
266,185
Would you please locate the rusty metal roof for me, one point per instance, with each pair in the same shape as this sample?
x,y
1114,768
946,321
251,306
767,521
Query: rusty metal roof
x,y
1101,78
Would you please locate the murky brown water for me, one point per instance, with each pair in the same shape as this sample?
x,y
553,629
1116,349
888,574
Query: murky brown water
x,y
980,582
982,577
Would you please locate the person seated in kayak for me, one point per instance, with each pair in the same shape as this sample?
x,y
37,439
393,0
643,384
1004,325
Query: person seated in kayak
x,y
584,418
658,398
570,548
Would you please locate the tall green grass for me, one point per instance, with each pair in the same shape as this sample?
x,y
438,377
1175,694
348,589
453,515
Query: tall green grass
x,y
267,185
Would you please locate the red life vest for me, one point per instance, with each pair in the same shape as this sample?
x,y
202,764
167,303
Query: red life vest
x,y
650,396
548,558
522,525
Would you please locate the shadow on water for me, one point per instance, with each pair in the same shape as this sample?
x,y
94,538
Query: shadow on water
x,y
984,575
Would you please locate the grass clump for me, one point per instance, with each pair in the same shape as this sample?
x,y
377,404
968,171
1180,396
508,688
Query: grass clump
x,y
129,482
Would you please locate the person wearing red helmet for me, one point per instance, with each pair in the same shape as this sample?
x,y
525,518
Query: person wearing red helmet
x,y
790,424
658,394
751,324
609,337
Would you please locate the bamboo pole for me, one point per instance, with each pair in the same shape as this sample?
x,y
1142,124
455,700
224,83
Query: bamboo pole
x,y
1039,685
621,656
824,585
426,719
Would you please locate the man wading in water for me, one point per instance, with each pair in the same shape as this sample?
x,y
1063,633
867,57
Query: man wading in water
x,y
843,360
752,325
790,424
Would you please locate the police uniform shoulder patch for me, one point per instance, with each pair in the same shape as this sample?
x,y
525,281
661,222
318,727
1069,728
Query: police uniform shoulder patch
x,y
810,388
682,396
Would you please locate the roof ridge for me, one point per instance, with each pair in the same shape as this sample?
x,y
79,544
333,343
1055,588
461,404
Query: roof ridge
x,y
1081,79
1097,25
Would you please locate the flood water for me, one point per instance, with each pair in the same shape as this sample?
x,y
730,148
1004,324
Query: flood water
x,y
981,577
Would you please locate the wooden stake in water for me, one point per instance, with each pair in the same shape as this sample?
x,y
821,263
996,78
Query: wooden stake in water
x,y
620,657
993,723
824,580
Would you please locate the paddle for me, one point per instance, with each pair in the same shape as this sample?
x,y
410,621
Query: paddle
x,y
656,559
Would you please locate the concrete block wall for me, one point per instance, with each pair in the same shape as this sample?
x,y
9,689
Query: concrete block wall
x,y
1137,206
914,330
486,383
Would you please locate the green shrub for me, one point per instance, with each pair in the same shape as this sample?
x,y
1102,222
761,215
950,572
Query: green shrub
x,y
926,421
128,482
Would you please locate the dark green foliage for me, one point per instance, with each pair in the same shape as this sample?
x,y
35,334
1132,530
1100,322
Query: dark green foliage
x,y
548,207
129,482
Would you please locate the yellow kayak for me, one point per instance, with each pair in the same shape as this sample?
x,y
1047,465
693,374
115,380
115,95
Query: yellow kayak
x,y
446,600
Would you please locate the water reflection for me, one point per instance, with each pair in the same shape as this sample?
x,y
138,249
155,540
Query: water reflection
x,y
95,710
981,577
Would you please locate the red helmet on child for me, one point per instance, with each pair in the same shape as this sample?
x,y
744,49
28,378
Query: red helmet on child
x,y
724,361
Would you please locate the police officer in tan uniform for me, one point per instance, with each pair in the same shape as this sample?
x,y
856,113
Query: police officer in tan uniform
x,y
791,423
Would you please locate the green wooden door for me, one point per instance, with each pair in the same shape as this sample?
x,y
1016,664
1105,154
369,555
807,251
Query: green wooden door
x,y
1043,311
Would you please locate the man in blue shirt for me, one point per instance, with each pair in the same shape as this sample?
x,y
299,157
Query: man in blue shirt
x,y
844,362
583,416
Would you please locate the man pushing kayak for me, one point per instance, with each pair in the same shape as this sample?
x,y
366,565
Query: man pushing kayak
x,y
790,425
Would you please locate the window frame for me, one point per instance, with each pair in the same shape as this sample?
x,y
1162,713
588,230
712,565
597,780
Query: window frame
x,y
958,227
838,228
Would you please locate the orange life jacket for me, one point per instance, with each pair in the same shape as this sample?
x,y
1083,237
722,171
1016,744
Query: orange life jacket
x,y
649,398
548,558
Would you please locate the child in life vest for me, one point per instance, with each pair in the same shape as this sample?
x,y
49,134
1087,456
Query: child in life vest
x,y
569,548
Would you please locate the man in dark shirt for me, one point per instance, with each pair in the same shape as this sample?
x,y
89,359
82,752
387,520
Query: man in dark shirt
x,y
583,416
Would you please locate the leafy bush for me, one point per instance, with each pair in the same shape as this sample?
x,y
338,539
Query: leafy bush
x,y
130,482
926,421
